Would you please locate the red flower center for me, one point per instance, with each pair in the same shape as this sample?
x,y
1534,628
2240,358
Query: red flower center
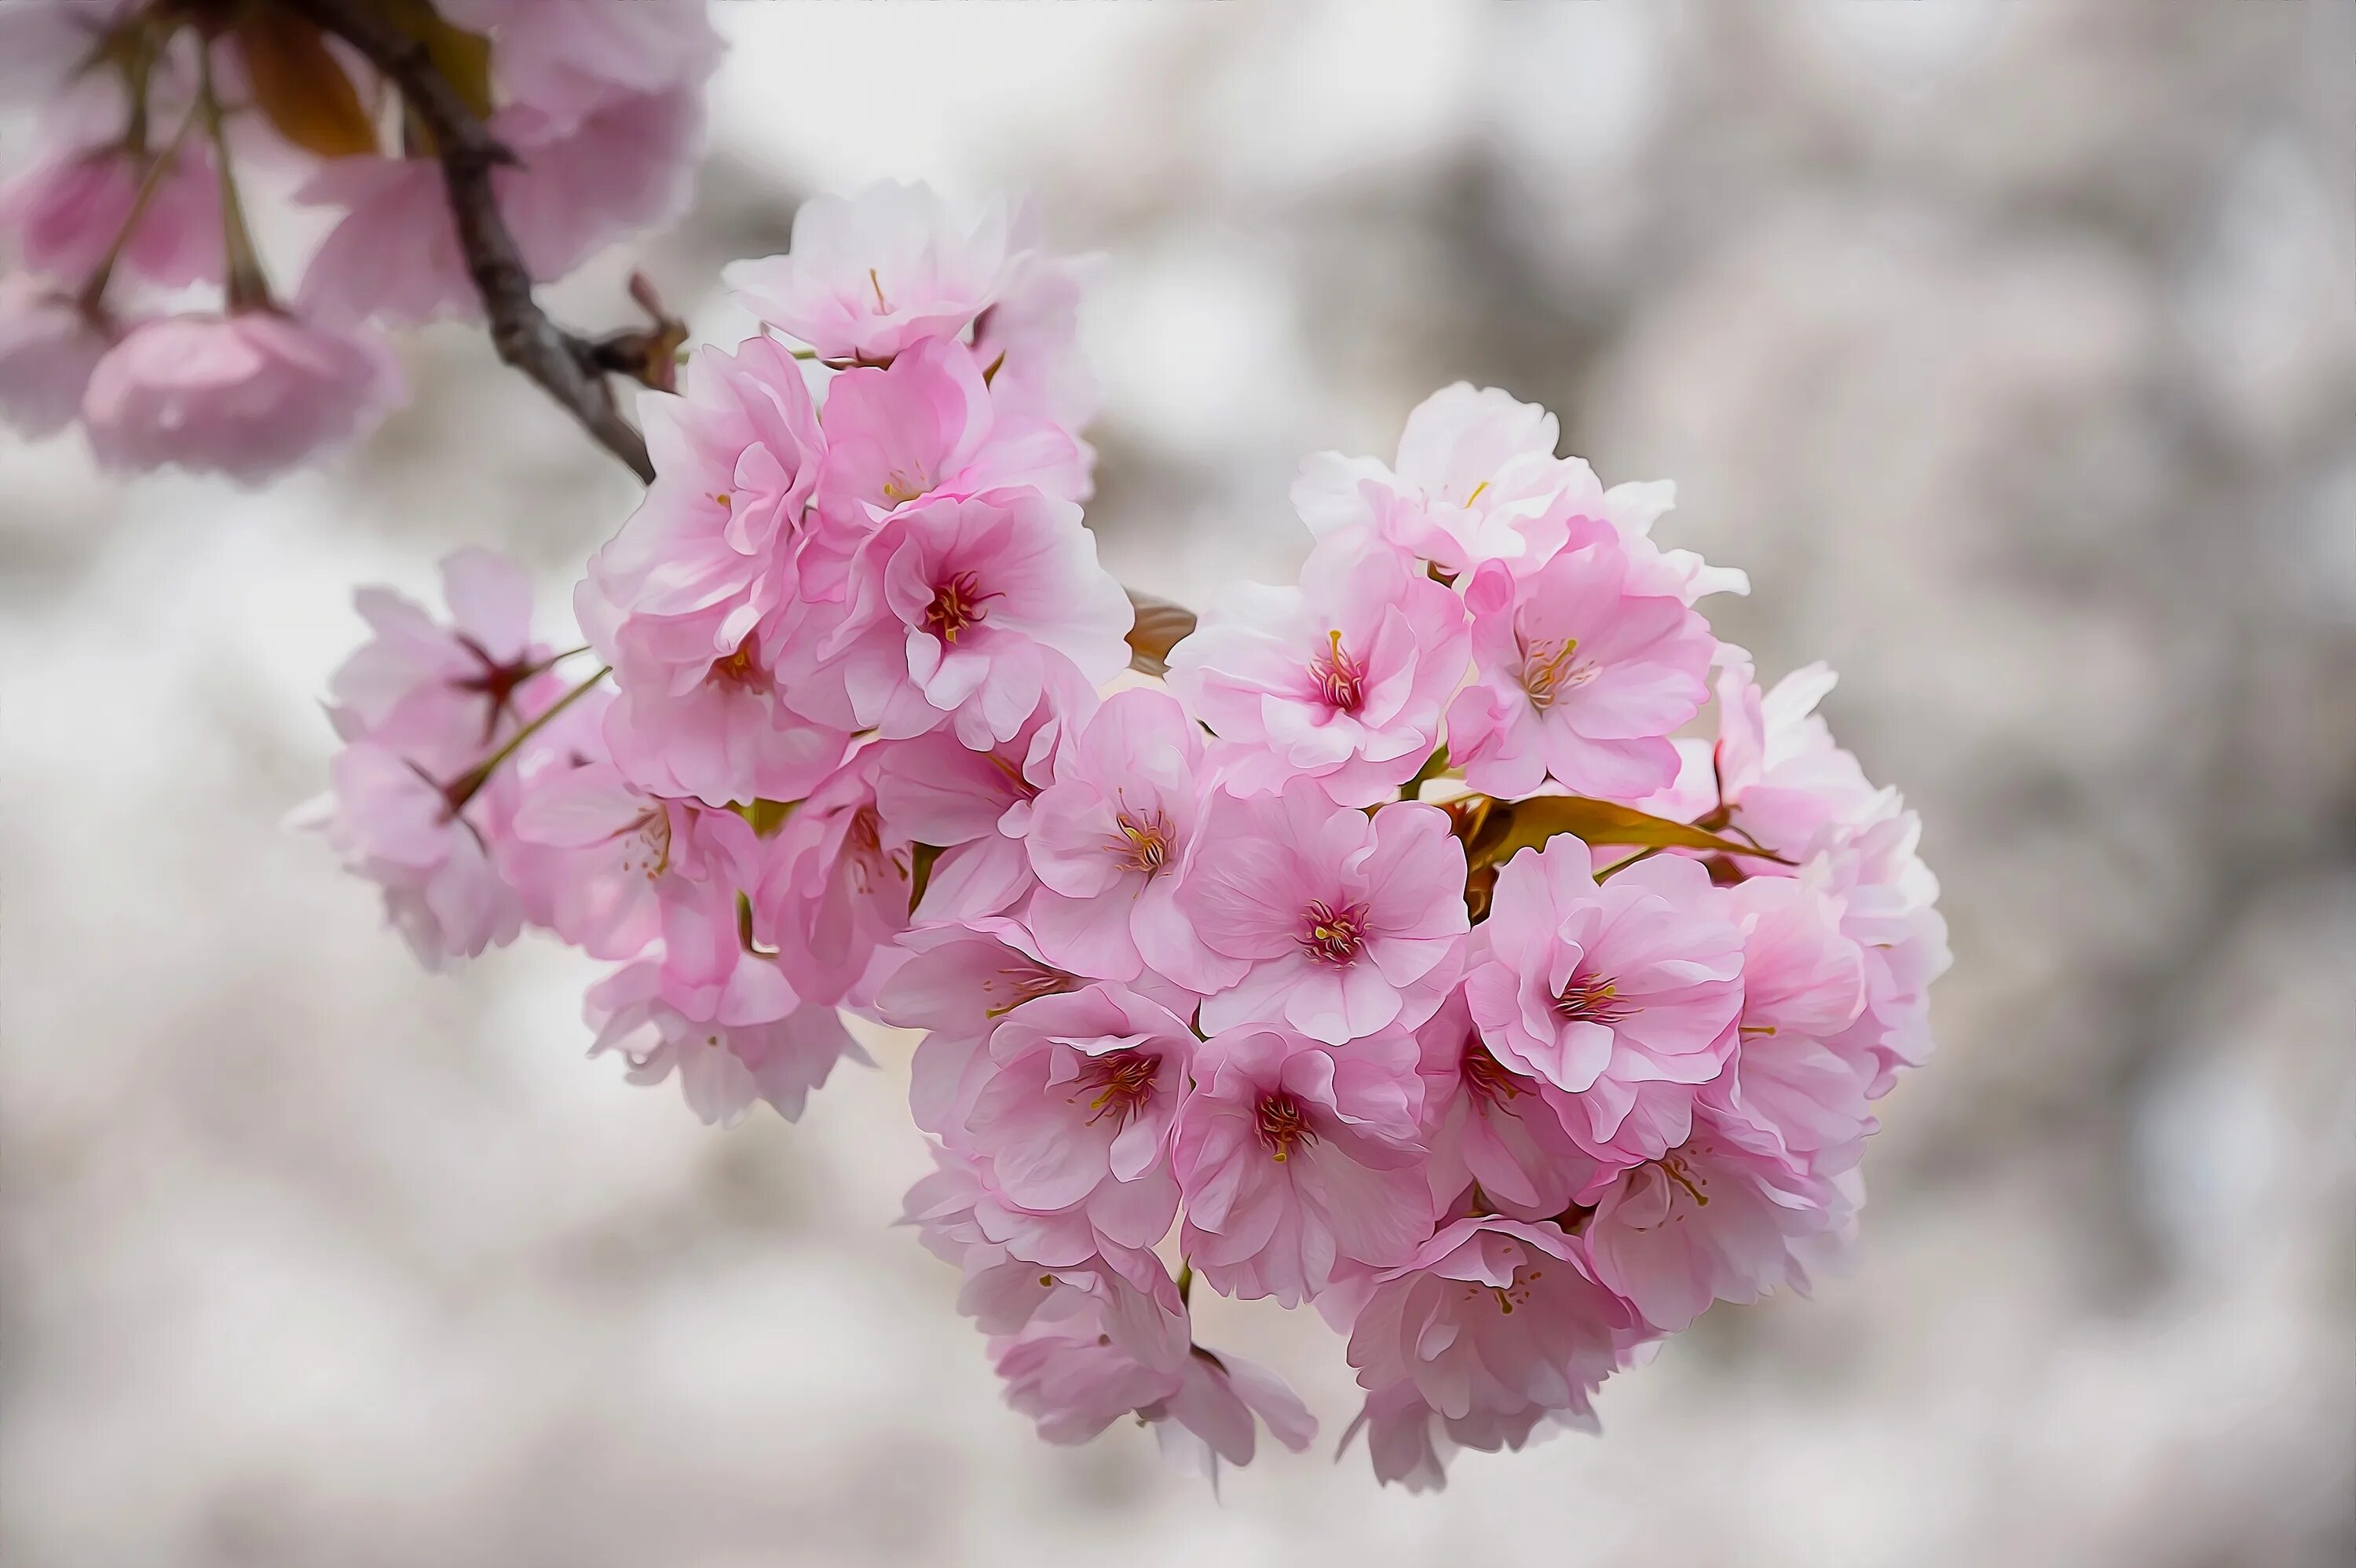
x,y
1589,999
1283,1126
1341,678
955,606
1331,936
1123,1082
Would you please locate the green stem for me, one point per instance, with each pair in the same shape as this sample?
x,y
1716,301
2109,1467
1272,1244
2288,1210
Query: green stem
x,y
466,786
1185,1282
93,294
247,287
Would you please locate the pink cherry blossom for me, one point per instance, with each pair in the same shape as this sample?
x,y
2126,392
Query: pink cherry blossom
x,y
70,211
444,694
962,612
1493,1323
956,982
1031,332
1107,840
974,806
394,826
1342,680
1074,1377
1717,1218
1579,675
47,349
870,277
722,1067
1345,924
1487,1125
1620,995
589,852
1803,984
834,891
1294,1157
244,395
926,425
1076,1106
1476,480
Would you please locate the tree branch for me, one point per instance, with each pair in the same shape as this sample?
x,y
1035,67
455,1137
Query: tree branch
x,y
567,368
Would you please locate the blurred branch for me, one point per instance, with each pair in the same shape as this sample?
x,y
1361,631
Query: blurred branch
x,y
568,368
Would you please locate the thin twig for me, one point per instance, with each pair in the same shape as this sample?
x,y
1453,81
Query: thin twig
x,y
562,363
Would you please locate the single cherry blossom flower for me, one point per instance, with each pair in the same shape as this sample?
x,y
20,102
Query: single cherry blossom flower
x,y
1295,1156
1579,675
722,1067
927,425
1344,924
394,826
1724,1216
974,806
835,889
1076,1106
245,394
1107,840
1476,480
1342,680
445,696
963,612
1491,1127
867,278
1493,1323
75,209
1621,995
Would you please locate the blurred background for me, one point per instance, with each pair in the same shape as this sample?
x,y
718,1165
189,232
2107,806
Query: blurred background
x,y
2011,347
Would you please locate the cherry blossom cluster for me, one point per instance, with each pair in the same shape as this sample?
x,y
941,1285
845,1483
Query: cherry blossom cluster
x,y
1458,939
140,304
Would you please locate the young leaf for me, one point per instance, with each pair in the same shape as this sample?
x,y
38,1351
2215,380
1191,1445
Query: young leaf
x,y
299,83
1511,828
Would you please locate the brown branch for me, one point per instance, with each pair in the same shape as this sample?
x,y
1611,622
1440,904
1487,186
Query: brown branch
x,y
567,368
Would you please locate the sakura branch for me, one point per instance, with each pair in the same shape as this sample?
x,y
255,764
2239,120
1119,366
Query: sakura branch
x,y
570,368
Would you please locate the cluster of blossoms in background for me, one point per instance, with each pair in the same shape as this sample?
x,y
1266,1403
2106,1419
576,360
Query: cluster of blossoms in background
x,y
142,305
1459,939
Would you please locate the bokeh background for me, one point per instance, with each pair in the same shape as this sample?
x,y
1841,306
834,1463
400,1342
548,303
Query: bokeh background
x,y
2011,347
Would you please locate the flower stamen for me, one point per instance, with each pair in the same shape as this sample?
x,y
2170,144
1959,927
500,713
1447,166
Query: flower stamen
x,y
1283,1126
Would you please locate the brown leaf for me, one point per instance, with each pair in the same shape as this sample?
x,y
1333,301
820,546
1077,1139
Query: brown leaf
x,y
1511,828
1160,626
299,84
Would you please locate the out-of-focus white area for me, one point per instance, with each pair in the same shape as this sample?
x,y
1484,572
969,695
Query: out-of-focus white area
x,y
2011,348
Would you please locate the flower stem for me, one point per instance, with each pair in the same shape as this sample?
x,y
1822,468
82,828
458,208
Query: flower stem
x,y
247,286
466,786
93,292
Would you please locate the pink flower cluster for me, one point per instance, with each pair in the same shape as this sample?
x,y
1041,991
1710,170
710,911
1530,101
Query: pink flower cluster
x,y
140,305
1282,977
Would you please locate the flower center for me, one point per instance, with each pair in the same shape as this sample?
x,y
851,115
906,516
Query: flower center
x,y
1589,999
1145,842
1331,936
955,606
1515,1293
496,682
646,848
902,488
1027,984
1488,1078
742,669
1123,1082
1677,1171
1339,677
1548,671
1283,1126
